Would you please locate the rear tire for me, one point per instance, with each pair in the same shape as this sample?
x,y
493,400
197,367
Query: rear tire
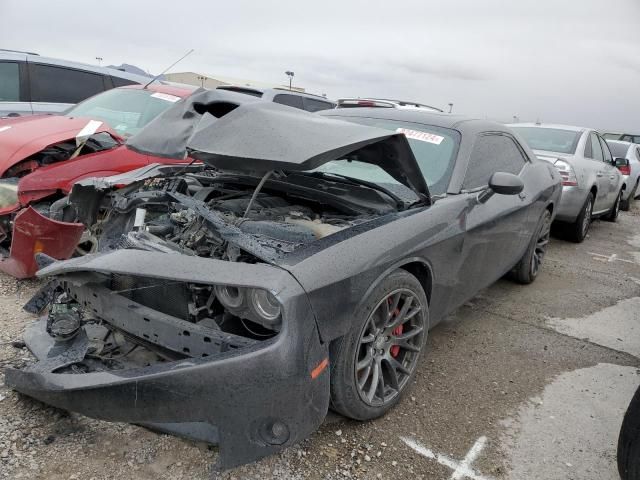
x,y
612,216
629,441
527,269
375,362
578,230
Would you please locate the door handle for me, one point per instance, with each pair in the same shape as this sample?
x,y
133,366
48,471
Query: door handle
x,y
612,177
599,174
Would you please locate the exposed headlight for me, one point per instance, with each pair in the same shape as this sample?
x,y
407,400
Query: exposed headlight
x,y
8,192
230,297
265,304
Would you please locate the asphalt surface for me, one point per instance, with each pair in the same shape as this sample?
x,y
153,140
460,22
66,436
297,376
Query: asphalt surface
x,y
523,382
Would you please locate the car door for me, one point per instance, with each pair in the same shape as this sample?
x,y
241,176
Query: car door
x,y
612,175
499,229
14,100
596,168
56,88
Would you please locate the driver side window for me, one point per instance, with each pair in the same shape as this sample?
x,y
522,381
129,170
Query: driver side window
x,y
492,152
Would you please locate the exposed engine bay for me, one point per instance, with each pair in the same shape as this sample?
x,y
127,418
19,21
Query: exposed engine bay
x,y
230,217
223,216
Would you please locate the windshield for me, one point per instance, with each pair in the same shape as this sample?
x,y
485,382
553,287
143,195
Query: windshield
x,y
550,139
125,110
434,147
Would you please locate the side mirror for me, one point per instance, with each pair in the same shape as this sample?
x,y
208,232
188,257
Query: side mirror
x,y
620,162
502,183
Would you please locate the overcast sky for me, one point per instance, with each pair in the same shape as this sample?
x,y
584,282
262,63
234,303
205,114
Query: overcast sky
x,y
563,61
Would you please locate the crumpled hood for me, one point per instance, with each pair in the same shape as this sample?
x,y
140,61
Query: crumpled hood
x,y
21,137
236,132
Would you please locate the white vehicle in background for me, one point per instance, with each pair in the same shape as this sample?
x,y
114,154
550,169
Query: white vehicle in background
x,y
384,103
627,156
592,186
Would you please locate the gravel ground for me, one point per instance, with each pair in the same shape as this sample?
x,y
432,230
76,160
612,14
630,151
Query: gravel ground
x,y
491,362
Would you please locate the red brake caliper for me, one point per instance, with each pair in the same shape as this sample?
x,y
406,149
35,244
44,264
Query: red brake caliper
x,y
395,350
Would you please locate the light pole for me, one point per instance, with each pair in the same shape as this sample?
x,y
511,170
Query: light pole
x,y
450,107
202,79
99,59
290,74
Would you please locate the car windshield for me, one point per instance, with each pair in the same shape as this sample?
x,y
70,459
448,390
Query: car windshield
x,y
434,147
125,110
550,139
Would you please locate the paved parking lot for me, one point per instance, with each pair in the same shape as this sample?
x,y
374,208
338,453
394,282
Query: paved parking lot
x,y
522,382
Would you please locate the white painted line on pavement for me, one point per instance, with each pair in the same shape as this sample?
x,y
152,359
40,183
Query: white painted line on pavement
x,y
609,258
461,469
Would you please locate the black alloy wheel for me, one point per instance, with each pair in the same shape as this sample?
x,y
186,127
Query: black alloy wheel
x,y
373,363
528,268
389,347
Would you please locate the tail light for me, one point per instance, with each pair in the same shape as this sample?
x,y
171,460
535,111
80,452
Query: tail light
x,y
567,173
625,169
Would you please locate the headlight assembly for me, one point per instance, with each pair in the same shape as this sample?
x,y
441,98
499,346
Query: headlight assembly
x,y
254,304
265,304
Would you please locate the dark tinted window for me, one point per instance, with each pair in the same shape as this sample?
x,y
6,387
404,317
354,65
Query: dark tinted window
x,y
290,100
9,82
62,85
492,153
123,82
596,149
313,105
605,149
618,150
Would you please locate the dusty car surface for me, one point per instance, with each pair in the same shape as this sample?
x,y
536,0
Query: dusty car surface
x,y
592,186
42,156
301,267
627,158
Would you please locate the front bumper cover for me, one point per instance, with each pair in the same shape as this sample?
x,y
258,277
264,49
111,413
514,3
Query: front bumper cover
x,y
252,401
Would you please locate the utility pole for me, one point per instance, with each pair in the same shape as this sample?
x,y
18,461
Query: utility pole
x,y
99,59
290,74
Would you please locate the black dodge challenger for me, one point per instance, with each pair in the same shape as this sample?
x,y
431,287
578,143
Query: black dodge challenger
x,y
298,268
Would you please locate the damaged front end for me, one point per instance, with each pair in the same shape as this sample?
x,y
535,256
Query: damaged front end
x,y
221,352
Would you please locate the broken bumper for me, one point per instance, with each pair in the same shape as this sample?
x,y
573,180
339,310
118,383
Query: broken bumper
x,y
34,233
253,401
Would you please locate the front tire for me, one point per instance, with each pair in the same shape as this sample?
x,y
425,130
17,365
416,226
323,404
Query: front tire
x,y
527,269
612,216
625,205
374,363
629,441
578,230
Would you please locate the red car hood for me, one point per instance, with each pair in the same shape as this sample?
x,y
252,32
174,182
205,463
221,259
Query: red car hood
x,y
23,136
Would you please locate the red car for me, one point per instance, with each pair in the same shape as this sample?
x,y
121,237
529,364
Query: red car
x,y
41,157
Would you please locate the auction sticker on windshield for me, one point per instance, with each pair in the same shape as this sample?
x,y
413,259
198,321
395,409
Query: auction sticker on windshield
x,y
422,136
166,97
